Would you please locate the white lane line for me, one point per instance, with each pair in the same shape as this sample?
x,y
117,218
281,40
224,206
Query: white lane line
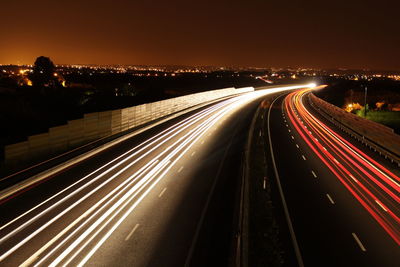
x,y
289,130
380,205
358,242
162,192
131,233
304,158
313,173
330,199
180,169
260,133
194,152
264,183
292,137
287,125
297,146
202,142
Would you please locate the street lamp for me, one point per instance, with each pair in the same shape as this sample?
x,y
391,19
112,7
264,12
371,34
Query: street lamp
x,y
365,102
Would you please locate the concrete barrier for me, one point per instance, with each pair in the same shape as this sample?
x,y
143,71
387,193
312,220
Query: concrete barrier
x,y
39,144
17,151
377,133
102,124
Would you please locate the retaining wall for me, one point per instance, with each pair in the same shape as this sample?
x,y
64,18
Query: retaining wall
x,y
102,124
378,133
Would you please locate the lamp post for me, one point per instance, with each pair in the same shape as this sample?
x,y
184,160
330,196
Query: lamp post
x,y
365,102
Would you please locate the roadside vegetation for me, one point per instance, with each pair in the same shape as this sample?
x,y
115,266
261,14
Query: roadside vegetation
x,y
388,118
382,99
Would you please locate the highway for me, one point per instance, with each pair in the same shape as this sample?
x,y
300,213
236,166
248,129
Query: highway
x,y
165,197
342,199
169,195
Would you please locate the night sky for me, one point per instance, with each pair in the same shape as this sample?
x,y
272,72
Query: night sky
x,y
321,34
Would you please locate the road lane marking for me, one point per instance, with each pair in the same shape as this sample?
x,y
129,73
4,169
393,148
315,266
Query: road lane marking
x,y
297,146
358,242
304,158
330,199
131,233
292,137
260,133
289,130
287,125
180,169
162,192
264,183
313,173
380,205
207,203
194,152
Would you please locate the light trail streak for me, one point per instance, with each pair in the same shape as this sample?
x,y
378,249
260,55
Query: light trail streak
x,y
114,193
29,237
76,242
149,167
161,135
154,145
374,184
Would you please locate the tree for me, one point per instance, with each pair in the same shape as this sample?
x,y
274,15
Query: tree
x,y
43,73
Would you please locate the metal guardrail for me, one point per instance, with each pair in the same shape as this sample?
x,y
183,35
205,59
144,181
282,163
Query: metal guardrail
x,y
371,144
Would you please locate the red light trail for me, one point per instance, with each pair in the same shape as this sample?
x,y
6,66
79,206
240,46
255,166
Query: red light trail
x,y
374,186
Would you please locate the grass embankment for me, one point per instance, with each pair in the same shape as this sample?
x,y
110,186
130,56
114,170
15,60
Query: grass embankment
x,y
388,118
